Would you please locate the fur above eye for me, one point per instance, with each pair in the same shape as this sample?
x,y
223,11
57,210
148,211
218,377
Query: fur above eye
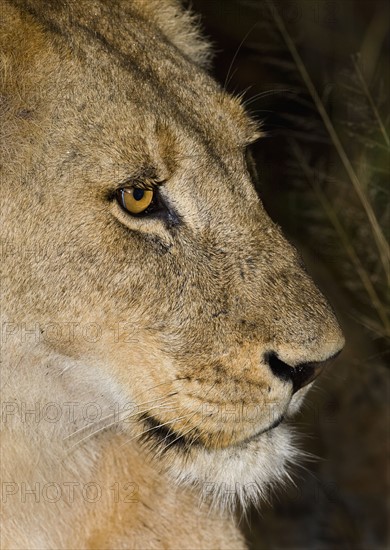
x,y
136,200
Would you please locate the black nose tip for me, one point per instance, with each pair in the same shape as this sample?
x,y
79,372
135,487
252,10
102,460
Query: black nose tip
x,y
300,375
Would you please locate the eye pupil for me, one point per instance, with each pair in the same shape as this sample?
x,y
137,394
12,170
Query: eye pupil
x,y
138,194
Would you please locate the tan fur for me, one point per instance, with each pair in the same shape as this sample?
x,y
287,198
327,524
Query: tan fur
x,y
109,313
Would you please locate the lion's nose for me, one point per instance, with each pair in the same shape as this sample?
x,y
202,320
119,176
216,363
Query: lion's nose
x,y
300,375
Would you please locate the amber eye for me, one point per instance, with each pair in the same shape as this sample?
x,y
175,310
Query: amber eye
x,y
135,200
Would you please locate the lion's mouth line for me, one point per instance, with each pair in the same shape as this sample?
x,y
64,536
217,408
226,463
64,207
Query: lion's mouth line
x,y
165,436
158,432
274,425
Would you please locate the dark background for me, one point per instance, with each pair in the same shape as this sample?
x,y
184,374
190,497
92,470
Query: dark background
x,y
326,182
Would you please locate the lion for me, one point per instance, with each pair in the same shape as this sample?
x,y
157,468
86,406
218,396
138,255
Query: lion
x,y
158,330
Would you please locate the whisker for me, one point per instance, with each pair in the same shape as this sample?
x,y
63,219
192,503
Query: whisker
x,y
186,424
188,421
154,428
102,428
267,93
157,386
113,414
179,435
228,75
163,449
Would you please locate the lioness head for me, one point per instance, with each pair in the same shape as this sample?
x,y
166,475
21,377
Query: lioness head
x,y
130,210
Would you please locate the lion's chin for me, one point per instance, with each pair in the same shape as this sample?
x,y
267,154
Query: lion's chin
x,y
242,474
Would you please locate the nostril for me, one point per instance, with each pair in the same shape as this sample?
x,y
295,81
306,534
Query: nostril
x,y
300,375
304,374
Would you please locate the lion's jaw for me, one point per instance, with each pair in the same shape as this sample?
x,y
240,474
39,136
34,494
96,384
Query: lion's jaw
x,y
237,475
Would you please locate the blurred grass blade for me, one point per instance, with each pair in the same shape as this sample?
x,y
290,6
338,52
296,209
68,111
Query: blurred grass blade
x,y
371,101
380,240
346,241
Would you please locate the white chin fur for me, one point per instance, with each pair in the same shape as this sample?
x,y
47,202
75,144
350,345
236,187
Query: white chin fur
x,y
242,474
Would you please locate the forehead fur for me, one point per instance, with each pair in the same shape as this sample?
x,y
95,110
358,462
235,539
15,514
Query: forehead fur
x,y
53,66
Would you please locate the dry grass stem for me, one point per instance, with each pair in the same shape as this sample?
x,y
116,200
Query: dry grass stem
x,y
380,239
371,101
346,241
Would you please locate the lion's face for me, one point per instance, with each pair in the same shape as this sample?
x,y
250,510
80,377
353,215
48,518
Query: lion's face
x,y
199,313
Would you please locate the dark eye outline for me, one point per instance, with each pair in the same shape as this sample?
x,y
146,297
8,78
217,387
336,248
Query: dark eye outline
x,y
156,205
160,209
